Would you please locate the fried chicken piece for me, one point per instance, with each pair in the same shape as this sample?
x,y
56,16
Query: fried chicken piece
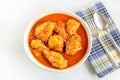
x,y
55,58
56,42
73,45
37,44
72,25
60,29
44,30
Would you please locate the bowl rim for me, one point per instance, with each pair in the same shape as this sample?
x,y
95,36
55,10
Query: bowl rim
x,y
31,57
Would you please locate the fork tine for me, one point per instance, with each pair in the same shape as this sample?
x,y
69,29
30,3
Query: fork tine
x,y
92,27
89,24
93,23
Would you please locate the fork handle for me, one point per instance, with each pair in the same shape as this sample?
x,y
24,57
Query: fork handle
x,y
114,62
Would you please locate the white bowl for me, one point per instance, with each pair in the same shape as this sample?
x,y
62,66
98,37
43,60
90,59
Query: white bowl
x,y
29,54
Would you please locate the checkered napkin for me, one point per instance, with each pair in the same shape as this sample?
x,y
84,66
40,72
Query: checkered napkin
x,y
98,57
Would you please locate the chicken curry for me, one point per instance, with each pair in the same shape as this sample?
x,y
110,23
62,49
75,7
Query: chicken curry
x,y
58,41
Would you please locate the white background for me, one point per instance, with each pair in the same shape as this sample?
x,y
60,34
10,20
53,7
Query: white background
x,y
15,15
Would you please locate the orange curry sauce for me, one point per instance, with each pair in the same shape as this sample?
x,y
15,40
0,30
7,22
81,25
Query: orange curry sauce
x,y
71,59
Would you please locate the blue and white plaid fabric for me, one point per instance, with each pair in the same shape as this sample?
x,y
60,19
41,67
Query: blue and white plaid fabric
x,y
98,57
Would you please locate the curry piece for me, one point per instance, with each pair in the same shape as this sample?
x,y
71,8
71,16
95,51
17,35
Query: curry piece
x,y
60,29
44,30
56,43
72,25
73,44
55,58
38,44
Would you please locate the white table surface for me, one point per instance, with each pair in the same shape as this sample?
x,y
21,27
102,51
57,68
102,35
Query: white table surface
x,y
15,15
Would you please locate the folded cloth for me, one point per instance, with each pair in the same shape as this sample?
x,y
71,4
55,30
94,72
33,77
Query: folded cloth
x,y
98,57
